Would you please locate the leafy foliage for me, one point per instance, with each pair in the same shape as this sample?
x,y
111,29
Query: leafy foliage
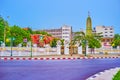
x,y
117,76
3,27
62,42
19,34
53,43
116,40
79,37
92,41
41,32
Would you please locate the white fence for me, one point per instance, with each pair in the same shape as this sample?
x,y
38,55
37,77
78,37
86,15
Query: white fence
x,y
36,51
103,51
27,51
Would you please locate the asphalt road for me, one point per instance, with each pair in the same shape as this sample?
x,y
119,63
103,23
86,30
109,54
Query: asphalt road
x,y
54,69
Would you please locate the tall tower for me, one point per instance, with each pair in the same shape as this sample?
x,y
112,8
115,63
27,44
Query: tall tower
x,y
89,25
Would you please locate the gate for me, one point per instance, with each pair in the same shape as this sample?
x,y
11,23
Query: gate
x,y
73,50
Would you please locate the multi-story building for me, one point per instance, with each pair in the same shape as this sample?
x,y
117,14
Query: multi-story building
x,y
65,32
55,32
107,33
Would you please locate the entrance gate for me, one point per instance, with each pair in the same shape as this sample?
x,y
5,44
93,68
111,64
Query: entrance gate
x,y
73,50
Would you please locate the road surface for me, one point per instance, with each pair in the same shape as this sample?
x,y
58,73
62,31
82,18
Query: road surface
x,y
54,69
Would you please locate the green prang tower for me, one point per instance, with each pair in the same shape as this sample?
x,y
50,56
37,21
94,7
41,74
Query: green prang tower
x,y
89,26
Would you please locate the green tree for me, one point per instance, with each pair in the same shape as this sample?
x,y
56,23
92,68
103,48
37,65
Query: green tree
x,y
19,34
79,38
3,27
116,41
93,41
41,32
53,43
62,42
62,46
30,30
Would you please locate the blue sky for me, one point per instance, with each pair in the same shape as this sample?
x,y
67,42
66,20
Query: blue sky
x,y
48,14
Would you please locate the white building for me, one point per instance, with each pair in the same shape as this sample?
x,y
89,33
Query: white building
x,y
107,31
65,32
108,34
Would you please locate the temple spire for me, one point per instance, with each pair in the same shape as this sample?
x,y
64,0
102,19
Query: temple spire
x,y
89,25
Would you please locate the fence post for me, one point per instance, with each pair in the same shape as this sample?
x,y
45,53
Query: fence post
x,y
79,49
58,49
66,49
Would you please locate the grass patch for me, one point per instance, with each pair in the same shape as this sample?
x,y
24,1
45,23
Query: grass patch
x,y
117,76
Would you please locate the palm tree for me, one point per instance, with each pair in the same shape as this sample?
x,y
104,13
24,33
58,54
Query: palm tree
x,y
93,41
62,46
71,46
80,38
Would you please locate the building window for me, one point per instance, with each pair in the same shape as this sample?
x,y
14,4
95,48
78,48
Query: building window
x,y
105,28
65,36
111,32
111,28
111,35
105,35
65,33
105,32
66,30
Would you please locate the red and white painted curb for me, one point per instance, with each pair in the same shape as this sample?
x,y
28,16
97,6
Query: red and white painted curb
x,y
68,58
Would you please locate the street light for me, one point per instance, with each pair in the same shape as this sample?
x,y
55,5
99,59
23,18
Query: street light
x,y
85,42
1,43
11,44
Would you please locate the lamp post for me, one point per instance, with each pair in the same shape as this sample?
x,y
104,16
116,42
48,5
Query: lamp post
x,y
85,47
31,44
11,44
85,42
1,43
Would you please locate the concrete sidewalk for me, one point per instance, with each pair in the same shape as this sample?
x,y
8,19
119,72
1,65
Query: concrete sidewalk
x,y
106,75
58,57
69,56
